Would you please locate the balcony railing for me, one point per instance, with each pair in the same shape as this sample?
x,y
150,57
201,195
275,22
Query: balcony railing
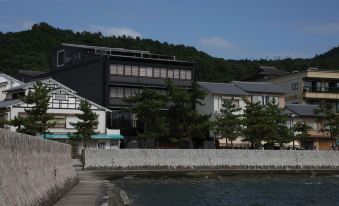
x,y
321,89
319,134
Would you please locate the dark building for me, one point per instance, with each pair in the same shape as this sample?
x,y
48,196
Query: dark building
x,y
265,73
106,75
27,76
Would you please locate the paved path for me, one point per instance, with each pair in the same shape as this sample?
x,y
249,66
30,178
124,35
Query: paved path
x,y
90,191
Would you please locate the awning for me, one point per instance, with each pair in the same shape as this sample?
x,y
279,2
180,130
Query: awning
x,y
107,136
97,136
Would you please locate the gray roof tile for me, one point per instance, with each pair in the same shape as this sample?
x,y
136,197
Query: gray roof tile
x,y
222,88
304,110
8,103
259,87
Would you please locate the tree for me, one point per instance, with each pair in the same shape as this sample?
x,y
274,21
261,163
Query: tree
x,y
277,130
228,122
37,120
185,124
300,131
329,120
147,106
85,128
254,123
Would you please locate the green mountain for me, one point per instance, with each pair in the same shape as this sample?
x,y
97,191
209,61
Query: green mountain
x,y
32,50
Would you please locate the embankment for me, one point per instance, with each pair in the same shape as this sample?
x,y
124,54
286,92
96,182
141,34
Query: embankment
x,y
175,159
33,171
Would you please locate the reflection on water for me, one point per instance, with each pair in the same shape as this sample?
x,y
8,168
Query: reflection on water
x,y
255,191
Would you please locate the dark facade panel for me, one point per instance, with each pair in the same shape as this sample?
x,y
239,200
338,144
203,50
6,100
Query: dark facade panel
x,y
144,81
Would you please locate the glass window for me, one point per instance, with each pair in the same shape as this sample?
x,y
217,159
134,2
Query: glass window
x,y
101,145
176,74
188,74
156,73
235,102
117,92
128,70
135,91
60,97
135,71
149,72
295,86
60,58
182,74
170,73
256,99
113,69
142,71
163,73
128,92
120,69
58,121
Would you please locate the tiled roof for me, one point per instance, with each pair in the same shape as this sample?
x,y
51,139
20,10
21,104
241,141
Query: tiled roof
x,y
259,87
222,88
304,110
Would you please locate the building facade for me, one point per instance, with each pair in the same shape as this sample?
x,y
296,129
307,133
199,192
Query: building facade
x,y
63,105
318,140
7,82
107,75
311,87
238,92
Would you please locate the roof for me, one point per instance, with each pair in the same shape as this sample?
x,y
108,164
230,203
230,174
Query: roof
x,y
259,87
31,73
222,88
31,83
11,78
96,136
9,103
304,110
270,70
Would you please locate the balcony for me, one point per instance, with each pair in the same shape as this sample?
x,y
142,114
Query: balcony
x,y
321,92
319,134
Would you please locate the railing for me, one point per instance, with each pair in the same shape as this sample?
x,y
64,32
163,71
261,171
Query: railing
x,y
321,89
319,133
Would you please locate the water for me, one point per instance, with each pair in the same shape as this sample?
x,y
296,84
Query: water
x,y
253,191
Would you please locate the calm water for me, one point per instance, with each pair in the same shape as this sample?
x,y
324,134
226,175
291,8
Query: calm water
x,y
255,191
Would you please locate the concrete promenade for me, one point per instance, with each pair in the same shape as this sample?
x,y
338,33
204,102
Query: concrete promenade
x,y
90,191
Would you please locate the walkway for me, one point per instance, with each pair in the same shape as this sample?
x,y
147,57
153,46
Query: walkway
x,y
90,191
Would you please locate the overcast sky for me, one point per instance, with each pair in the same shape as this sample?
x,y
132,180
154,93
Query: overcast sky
x,y
232,29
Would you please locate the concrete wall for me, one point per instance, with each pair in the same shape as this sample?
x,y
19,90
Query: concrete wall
x,y
33,171
209,158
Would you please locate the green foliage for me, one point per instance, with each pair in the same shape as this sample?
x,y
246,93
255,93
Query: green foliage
x,y
228,121
328,119
33,49
87,124
37,120
300,131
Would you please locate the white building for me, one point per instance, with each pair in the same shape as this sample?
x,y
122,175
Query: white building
x,y
7,82
64,103
217,93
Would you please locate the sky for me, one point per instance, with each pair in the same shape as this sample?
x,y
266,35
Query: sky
x,y
231,29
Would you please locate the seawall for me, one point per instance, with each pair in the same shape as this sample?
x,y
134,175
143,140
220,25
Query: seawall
x,y
174,159
33,171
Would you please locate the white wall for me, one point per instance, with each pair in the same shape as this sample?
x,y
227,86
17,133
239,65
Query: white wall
x,y
10,83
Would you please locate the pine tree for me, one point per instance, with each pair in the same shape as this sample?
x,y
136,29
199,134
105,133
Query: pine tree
x,y
37,120
87,124
228,121
300,131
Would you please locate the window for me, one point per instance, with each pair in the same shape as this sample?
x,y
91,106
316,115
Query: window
x,y
58,121
135,71
117,92
156,73
128,70
142,71
235,102
128,92
60,58
60,97
149,72
135,91
170,73
188,74
295,86
176,74
182,74
101,145
120,69
163,73
113,69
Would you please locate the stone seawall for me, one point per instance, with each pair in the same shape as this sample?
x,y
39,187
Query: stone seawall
x,y
33,171
209,158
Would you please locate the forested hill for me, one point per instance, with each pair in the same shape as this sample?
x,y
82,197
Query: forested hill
x,y
32,50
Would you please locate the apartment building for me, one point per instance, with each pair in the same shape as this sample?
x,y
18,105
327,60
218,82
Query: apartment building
x,y
311,87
